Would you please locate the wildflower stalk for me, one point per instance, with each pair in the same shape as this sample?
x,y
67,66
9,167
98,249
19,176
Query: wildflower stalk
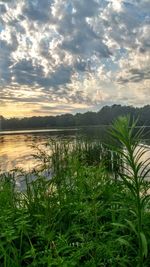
x,y
132,176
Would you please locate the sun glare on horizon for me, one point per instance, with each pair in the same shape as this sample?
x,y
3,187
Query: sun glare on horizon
x,y
70,56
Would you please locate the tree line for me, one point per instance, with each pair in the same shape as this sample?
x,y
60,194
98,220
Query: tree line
x,y
105,116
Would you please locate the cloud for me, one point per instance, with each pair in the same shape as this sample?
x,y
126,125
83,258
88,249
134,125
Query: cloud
x,y
135,76
39,11
2,9
5,62
72,50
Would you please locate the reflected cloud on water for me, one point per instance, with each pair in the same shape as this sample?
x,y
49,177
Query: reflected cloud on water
x,y
17,150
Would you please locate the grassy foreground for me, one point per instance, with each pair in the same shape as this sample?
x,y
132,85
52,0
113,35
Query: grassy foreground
x,y
84,215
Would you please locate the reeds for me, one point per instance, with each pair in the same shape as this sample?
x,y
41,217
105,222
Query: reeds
x,y
81,215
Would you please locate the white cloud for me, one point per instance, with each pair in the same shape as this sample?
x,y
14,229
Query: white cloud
x,y
80,51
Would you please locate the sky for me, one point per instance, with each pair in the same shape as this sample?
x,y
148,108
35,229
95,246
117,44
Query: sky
x,y
69,56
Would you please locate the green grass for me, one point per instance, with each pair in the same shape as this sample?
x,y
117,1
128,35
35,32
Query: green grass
x,y
81,216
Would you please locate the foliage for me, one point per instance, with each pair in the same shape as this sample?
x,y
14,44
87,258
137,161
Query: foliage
x,y
133,177
81,216
103,117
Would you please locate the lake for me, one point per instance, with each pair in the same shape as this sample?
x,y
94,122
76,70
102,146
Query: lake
x,y
16,147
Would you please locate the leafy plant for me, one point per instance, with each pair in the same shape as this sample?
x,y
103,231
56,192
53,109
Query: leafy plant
x,y
74,213
133,175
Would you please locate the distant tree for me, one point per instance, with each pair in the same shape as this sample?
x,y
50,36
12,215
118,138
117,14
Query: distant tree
x,y
103,117
1,121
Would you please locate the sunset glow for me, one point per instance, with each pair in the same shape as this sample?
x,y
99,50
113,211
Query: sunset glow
x,y
68,56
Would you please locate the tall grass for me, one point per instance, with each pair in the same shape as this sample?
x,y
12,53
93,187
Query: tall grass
x,y
81,215
133,177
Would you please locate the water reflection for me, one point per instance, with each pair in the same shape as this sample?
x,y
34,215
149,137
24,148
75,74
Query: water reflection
x,y
16,149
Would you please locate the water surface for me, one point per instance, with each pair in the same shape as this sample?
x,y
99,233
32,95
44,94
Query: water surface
x,y
16,147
